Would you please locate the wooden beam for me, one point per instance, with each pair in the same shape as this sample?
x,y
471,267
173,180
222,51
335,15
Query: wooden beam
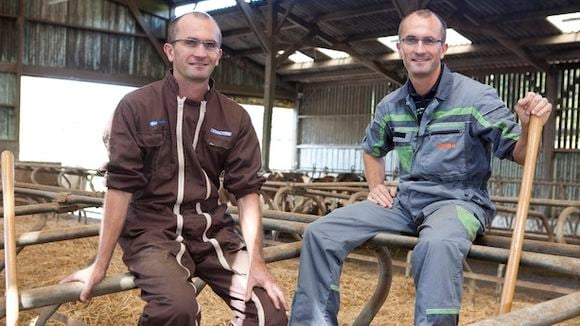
x,y
246,63
20,23
288,52
333,75
284,17
317,66
355,12
84,28
531,15
463,17
85,75
391,76
547,167
250,91
269,83
134,9
567,38
8,67
253,22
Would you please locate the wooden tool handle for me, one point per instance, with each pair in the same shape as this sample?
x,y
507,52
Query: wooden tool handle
x,y
12,301
534,136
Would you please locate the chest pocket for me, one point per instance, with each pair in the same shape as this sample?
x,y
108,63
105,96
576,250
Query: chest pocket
x,y
443,152
402,137
218,147
154,148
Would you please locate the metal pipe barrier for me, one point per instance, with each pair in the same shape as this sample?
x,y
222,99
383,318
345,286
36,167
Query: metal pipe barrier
x,y
52,207
70,292
541,314
539,201
381,293
531,213
536,246
530,235
561,264
562,218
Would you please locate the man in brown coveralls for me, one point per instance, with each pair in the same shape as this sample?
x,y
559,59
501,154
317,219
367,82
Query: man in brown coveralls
x,y
168,144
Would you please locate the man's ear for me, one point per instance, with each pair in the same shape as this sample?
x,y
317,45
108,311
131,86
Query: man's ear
x,y
444,48
168,49
399,49
219,57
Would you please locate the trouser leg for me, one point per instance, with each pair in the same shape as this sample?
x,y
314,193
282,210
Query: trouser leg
x,y
225,269
444,241
326,244
165,283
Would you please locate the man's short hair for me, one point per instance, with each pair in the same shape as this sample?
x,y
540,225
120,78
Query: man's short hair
x,y
426,13
172,28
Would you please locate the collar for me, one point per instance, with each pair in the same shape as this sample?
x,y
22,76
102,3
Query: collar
x,y
174,86
430,94
443,86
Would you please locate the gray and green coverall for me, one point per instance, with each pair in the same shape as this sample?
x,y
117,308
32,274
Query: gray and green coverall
x,y
442,197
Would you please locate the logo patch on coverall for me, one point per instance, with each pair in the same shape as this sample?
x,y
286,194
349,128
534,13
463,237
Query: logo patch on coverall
x,y
154,123
446,145
220,132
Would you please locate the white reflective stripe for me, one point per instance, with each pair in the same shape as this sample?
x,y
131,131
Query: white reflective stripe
x,y
259,309
196,301
214,243
207,185
202,110
180,182
199,123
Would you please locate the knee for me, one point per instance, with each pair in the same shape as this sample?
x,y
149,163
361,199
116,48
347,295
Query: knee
x,y
322,228
277,317
177,307
313,231
434,245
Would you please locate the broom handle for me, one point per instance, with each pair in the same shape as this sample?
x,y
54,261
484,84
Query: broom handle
x,y
12,301
534,136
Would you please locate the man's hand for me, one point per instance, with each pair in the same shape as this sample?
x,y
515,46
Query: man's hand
x,y
534,104
382,195
260,276
90,276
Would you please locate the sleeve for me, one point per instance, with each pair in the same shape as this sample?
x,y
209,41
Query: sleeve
x,y
124,170
378,140
243,165
496,124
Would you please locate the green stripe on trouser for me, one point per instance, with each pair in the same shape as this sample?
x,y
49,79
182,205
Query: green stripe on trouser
x,y
469,221
442,312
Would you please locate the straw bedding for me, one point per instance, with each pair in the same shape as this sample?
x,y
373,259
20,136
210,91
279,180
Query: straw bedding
x,y
46,264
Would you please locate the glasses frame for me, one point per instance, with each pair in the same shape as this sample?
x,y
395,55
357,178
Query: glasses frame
x,y
426,41
193,43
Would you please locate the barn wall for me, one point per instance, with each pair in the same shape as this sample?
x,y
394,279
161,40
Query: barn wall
x,y
332,119
90,40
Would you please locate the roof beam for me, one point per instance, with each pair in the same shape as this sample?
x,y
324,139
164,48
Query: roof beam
x,y
312,77
284,16
253,22
135,11
376,66
530,15
463,17
355,12
316,66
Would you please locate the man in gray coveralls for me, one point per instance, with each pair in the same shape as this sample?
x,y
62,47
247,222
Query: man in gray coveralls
x,y
444,127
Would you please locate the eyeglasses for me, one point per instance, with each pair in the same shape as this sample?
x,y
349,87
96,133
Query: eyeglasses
x,y
426,41
193,43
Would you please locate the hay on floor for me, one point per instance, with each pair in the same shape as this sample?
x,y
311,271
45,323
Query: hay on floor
x,y
46,264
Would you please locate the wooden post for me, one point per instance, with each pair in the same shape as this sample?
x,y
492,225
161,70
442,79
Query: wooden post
x,y
534,136
12,301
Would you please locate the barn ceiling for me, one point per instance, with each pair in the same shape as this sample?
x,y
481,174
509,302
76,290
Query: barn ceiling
x,y
507,35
